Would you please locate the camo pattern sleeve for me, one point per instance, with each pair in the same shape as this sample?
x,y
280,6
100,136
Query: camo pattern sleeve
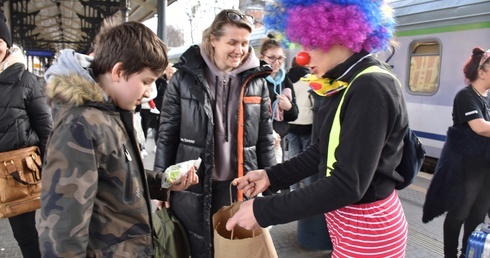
x,y
93,197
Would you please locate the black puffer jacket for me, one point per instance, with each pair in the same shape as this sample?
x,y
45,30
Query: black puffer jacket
x,y
24,112
187,132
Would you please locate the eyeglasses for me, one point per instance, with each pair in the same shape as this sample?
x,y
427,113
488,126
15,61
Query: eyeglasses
x,y
273,58
236,17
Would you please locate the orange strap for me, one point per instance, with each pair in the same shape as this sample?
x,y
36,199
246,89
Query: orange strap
x,y
241,129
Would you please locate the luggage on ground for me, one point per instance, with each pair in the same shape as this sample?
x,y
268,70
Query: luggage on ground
x,y
479,243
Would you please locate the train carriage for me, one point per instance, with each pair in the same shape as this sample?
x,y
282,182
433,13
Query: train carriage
x,y
433,40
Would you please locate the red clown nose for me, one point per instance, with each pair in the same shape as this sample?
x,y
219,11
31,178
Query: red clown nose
x,y
302,58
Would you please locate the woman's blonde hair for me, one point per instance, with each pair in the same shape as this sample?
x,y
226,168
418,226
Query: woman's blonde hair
x,y
216,28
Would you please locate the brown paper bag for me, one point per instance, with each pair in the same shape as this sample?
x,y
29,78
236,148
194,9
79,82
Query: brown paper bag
x,y
240,243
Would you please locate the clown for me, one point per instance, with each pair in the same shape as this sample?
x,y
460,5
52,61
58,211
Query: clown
x,y
357,189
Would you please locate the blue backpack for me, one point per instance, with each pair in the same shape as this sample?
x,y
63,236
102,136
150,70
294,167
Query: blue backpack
x,y
412,159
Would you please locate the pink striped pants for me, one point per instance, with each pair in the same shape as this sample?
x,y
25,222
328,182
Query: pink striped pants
x,y
377,229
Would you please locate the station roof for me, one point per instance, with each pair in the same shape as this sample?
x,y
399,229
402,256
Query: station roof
x,y
51,25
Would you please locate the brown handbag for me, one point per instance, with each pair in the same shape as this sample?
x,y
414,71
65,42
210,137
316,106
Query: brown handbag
x,y
20,181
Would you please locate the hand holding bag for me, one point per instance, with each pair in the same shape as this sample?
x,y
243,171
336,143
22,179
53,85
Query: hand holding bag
x,y
239,243
20,181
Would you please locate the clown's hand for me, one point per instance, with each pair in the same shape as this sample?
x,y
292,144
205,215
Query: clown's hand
x,y
244,217
253,183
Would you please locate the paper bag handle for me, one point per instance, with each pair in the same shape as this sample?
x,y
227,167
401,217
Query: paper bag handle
x,y
239,193
231,214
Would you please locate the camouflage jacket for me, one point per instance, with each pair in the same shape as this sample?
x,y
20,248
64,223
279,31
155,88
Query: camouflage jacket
x,y
95,199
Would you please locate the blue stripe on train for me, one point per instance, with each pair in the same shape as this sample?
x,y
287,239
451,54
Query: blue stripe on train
x,y
432,136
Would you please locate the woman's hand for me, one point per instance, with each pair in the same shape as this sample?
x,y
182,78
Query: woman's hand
x,y
244,217
277,138
284,102
187,180
253,183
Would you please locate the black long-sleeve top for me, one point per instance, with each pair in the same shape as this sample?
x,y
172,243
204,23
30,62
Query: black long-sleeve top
x,y
373,122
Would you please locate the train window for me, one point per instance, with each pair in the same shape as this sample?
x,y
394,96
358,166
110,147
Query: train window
x,y
425,57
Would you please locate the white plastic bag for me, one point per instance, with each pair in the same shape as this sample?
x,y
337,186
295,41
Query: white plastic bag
x,y
174,173
140,136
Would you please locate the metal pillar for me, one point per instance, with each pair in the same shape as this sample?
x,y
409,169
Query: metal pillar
x,y
162,17
125,8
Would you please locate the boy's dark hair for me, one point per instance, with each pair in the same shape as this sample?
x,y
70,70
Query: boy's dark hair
x,y
131,43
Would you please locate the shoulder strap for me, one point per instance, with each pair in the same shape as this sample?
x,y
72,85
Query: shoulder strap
x,y
334,137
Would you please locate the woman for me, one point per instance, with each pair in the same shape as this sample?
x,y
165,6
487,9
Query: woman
x,y
26,121
216,107
364,215
281,92
464,165
161,87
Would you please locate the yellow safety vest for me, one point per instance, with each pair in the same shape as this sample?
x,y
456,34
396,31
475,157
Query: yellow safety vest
x,y
334,137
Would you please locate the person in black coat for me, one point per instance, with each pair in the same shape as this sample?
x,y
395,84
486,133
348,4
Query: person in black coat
x,y
216,107
462,175
161,83
26,121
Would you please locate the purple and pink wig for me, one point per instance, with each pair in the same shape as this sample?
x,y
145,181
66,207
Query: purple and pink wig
x,y
355,24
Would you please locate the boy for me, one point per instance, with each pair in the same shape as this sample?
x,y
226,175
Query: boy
x,y
95,200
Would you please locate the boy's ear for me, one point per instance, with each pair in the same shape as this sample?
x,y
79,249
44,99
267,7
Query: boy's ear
x,y
117,72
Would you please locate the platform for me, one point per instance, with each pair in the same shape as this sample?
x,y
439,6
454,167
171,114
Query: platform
x,y
424,240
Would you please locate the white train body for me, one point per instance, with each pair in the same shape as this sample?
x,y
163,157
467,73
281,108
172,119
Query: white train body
x,y
434,40
431,77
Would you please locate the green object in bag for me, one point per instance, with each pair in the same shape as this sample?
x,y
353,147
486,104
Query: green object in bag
x,y
172,239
